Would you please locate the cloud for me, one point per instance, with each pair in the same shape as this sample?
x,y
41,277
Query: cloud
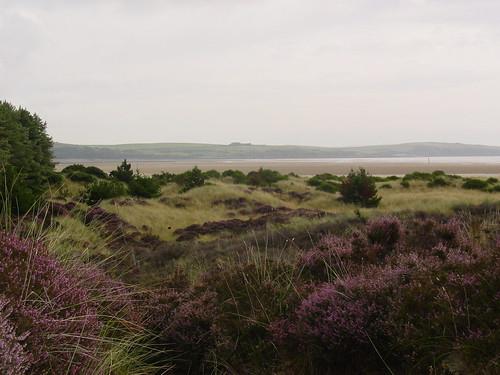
x,y
337,72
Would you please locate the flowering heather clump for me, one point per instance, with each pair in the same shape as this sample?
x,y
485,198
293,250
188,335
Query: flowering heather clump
x,y
432,304
183,323
384,231
328,259
426,233
335,324
52,308
13,358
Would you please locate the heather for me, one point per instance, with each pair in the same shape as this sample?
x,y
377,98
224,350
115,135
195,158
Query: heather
x,y
52,313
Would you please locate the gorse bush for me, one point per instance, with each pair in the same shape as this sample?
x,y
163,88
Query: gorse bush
x,y
325,182
144,187
123,172
91,170
437,182
81,177
96,172
164,178
359,187
321,178
238,177
191,179
475,184
212,173
74,168
264,177
100,190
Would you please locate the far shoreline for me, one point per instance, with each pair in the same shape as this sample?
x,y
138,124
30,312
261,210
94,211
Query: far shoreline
x,y
306,167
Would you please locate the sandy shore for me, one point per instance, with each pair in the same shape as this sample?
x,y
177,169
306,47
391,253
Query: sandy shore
x,y
302,167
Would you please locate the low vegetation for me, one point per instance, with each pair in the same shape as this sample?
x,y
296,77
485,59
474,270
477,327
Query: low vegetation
x,y
258,273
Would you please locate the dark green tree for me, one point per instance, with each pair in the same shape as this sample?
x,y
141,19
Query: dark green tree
x,y
123,172
25,157
359,187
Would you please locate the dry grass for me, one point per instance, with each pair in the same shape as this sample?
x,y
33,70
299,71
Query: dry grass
x,y
161,216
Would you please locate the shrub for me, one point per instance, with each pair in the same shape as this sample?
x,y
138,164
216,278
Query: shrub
x,y
321,178
494,189
386,186
164,178
51,309
192,179
359,187
405,184
437,182
264,177
212,173
145,187
384,231
333,326
97,172
123,172
100,190
74,168
55,178
81,177
14,360
475,184
492,180
423,176
238,177
328,187
327,260
183,324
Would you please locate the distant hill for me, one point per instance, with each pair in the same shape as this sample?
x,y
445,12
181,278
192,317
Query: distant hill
x,y
184,151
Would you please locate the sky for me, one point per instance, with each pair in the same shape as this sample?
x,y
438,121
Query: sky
x,y
306,72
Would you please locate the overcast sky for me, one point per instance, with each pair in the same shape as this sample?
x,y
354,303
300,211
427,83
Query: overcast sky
x,y
312,72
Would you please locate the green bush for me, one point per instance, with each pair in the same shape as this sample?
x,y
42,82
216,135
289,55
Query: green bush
x,y
405,184
55,178
74,168
123,172
81,177
492,180
328,187
386,186
97,172
164,178
100,190
475,184
193,178
144,187
264,177
437,182
359,187
494,189
212,173
91,170
423,176
320,178
238,176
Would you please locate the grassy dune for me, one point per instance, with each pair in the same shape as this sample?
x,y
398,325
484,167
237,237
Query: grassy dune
x,y
162,217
